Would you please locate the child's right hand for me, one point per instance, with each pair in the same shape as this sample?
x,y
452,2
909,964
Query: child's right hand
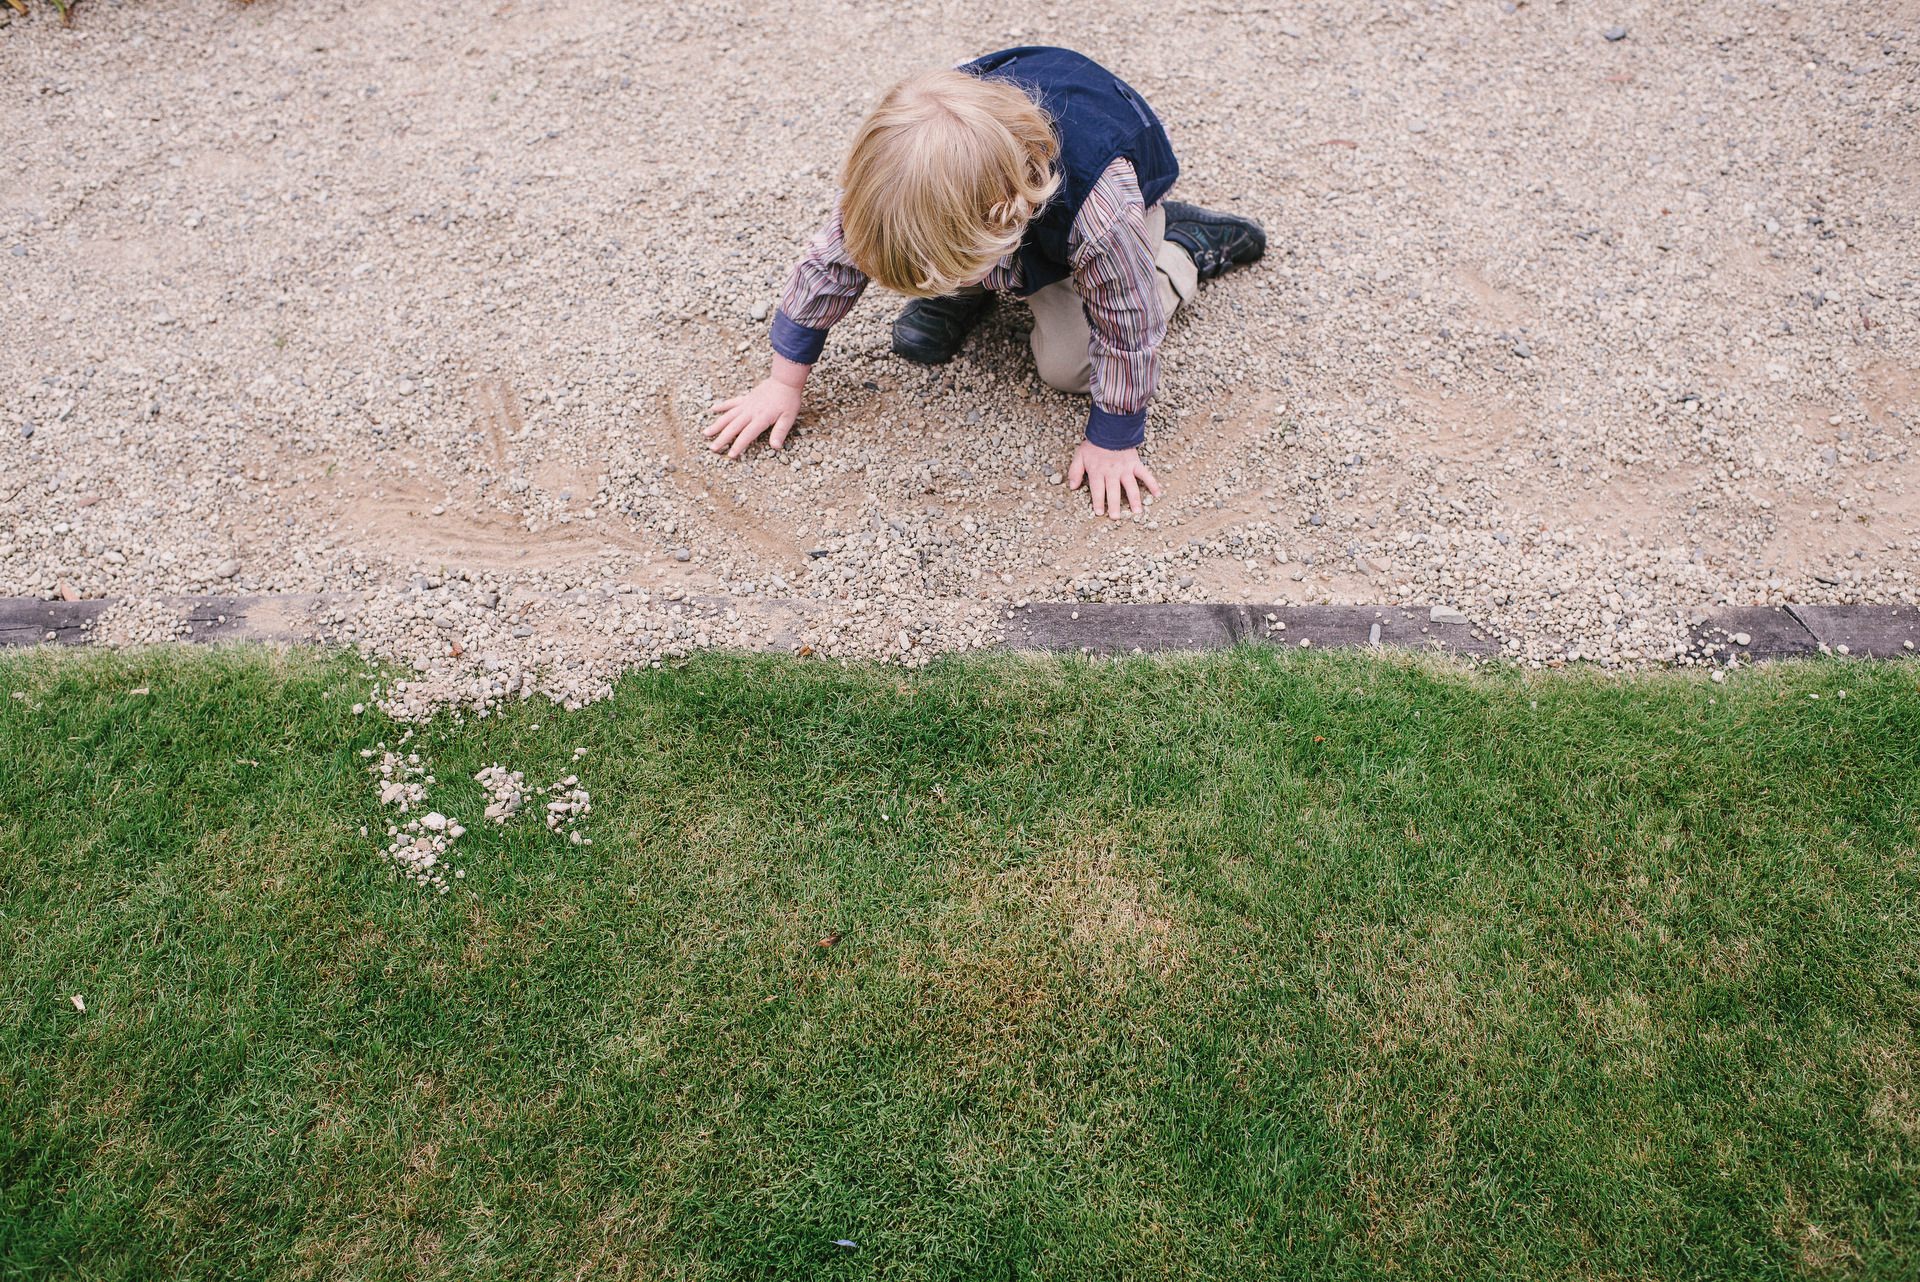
x,y
775,403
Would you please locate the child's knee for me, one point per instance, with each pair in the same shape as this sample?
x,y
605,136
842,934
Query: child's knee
x,y
1063,370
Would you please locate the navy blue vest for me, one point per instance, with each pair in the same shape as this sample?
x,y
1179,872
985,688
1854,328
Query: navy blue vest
x,y
1098,119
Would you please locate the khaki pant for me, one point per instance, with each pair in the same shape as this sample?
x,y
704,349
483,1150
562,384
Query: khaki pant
x,y
1060,330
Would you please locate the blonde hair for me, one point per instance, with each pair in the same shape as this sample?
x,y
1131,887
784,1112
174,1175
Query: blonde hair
x,y
944,175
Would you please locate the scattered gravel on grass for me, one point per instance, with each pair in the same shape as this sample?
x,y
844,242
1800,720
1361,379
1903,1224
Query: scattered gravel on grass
x,y
506,791
570,806
421,856
427,314
403,779
420,847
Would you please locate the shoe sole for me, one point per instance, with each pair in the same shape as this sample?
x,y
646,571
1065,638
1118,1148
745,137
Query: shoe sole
x,y
921,356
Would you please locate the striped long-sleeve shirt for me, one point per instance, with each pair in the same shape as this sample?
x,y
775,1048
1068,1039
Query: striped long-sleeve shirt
x,y
1113,270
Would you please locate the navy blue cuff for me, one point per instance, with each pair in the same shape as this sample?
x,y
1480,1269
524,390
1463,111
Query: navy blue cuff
x,y
1112,431
799,343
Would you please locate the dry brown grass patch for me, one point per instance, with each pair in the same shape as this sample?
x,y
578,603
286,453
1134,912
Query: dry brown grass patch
x,y
1011,946
1821,1250
1893,1085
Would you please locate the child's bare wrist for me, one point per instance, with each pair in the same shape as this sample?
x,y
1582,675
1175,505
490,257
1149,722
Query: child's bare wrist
x,y
792,373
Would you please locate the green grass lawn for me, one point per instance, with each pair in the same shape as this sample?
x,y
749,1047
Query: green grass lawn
x,y
1260,965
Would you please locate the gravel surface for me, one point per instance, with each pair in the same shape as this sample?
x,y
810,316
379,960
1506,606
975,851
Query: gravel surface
x,y
1579,317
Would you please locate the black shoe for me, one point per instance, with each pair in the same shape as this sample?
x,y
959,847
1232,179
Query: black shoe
x,y
930,330
1214,241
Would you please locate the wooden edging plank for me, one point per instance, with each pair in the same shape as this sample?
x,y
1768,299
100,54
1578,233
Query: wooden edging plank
x,y
1770,632
26,621
1742,632
1869,631
1122,629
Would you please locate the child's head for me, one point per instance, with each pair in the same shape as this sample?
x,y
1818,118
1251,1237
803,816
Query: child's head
x,y
943,177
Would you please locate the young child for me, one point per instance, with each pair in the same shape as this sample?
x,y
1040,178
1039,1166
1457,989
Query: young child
x,y
1034,171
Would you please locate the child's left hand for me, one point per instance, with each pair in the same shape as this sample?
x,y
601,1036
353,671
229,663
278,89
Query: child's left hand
x,y
1109,474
